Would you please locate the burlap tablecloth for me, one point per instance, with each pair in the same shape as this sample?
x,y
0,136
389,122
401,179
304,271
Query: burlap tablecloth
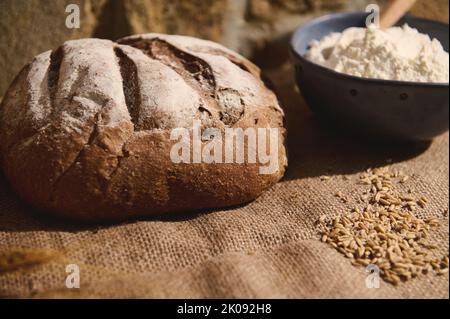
x,y
266,249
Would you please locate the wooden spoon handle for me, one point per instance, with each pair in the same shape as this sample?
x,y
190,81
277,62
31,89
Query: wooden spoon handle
x,y
394,10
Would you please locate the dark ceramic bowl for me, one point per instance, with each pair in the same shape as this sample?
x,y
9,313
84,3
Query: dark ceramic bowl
x,y
383,109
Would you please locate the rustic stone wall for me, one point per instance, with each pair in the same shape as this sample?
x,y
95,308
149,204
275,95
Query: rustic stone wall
x,y
256,28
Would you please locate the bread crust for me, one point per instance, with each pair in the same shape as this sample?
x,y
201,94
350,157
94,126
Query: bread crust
x,y
85,129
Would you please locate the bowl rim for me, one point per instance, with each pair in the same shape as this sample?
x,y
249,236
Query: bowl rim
x,y
326,17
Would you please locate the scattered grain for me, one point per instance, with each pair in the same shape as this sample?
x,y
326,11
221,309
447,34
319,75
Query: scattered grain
x,y
404,179
386,232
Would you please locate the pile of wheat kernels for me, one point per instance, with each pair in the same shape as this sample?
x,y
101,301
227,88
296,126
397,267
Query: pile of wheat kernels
x,y
385,232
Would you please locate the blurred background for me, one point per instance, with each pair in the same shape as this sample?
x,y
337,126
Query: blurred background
x,y
258,29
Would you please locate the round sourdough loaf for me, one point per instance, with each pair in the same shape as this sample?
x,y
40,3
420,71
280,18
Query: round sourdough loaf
x,y
85,130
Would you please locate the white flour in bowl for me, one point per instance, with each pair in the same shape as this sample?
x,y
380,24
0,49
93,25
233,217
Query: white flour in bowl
x,y
398,53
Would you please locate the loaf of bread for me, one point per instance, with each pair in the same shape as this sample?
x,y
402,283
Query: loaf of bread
x,y
85,130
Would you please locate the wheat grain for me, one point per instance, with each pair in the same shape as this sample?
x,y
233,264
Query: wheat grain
x,y
385,232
